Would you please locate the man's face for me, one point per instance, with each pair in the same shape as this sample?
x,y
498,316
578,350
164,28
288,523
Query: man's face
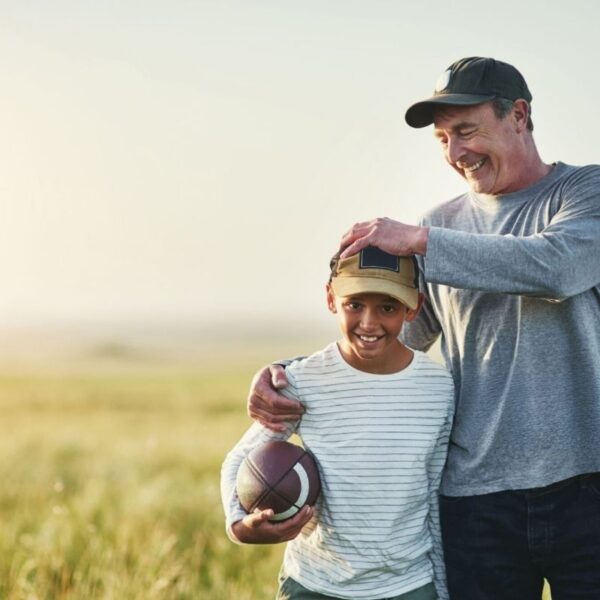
x,y
483,149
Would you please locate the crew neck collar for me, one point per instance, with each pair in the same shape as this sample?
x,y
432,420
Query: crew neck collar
x,y
491,200
339,356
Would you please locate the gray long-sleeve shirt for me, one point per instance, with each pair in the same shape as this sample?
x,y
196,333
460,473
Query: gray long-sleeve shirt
x,y
513,287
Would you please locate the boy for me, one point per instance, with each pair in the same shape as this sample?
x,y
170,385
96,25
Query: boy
x,y
377,419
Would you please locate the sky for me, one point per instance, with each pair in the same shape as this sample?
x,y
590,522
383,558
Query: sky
x,y
200,160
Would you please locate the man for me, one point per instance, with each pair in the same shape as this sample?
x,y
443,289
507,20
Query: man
x,y
511,271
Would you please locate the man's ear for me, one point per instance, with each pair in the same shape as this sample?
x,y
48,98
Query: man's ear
x,y
520,114
411,313
330,298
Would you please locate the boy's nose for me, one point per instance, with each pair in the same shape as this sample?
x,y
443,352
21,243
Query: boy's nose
x,y
369,319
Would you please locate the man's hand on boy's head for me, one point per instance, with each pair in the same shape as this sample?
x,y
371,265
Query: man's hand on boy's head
x,y
257,529
266,405
386,234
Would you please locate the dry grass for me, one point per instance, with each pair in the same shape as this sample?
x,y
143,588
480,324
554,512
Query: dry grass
x,y
110,487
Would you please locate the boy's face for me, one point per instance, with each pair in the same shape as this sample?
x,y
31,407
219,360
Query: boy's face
x,y
370,324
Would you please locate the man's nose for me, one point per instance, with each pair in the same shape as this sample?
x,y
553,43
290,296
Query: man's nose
x,y
454,149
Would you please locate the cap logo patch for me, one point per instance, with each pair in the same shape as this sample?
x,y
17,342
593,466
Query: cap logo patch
x,y
374,258
443,81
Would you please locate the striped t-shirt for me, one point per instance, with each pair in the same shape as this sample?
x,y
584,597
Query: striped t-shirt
x,y
380,442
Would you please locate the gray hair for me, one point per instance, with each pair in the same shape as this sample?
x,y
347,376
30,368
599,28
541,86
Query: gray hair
x,y
502,106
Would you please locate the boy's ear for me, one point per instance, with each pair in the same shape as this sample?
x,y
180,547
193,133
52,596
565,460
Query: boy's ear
x,y
411,313
330,299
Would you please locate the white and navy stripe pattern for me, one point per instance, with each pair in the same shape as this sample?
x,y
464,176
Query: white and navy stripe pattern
x,y
381,442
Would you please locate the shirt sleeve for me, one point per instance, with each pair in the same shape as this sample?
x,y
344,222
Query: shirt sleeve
x,y
255,436
558,262
435,468
421,333
286,362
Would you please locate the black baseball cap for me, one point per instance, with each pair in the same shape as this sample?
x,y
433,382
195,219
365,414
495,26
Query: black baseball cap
x,y
470,81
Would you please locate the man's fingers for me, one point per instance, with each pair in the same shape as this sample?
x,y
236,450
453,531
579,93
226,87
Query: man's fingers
x,y
279,410
357,230
263,400
357,246
268,397
266,405
388,235
278,378
263,397
284,407
270,421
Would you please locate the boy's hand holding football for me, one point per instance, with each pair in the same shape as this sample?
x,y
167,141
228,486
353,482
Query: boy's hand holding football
x,y
257,529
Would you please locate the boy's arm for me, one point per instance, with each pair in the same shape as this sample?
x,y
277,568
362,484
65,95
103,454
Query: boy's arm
x,y
255,528
435,468
234,513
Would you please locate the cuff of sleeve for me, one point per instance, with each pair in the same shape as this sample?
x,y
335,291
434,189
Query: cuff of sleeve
x,y
431,259
237,516
231,535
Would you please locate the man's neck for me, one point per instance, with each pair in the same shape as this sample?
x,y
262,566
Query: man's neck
x,y
533,168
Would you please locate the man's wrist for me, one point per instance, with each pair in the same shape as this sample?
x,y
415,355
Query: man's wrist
x,y
422,241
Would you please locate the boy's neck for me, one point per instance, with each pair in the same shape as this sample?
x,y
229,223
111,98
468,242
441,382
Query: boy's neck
x,y
396,359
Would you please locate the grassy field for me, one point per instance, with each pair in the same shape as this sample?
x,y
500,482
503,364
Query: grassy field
x,y
111,487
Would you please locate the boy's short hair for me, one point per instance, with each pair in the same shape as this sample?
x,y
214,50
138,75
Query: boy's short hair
x,y
374,271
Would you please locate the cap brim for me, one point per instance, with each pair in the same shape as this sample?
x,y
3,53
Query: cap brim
x,y
350,286
421,113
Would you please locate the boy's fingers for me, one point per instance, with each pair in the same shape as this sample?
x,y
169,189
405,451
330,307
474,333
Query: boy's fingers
x,y
265,532
299,520
256,518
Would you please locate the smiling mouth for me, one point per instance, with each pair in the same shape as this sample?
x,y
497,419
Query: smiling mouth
x,y
474,167
369,339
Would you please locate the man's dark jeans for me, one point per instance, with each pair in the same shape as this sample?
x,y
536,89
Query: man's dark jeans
x,y
501,546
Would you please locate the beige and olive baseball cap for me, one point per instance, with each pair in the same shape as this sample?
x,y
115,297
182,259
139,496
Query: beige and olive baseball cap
x,y
374,271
